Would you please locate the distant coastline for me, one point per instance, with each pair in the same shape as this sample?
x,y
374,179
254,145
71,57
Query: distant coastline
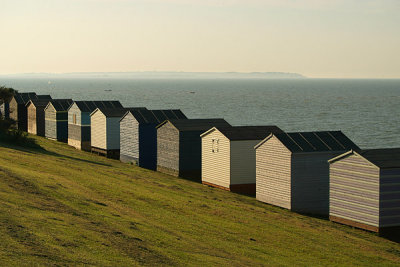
x,y
164,75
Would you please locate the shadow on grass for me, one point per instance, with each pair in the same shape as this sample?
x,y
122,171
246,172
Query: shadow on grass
x,y
41,150
391,234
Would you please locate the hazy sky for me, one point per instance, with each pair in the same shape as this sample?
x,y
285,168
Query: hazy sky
x,y
317,38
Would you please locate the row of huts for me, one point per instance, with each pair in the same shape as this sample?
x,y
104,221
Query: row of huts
x,y
322,173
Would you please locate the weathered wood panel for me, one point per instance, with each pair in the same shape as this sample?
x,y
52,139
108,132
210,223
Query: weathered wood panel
x,y
50,122
273,173
129,138
389,210
243,162
354,190
310,182
98,130
167,148
32,119
216,163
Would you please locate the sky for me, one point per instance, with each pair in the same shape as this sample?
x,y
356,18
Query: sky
x,y
316,38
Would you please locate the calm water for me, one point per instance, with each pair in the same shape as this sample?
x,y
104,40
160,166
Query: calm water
x,y
368,111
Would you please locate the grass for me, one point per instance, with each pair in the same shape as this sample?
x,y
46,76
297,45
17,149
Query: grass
x,y
61,206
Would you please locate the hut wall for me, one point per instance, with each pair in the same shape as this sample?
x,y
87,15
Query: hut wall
x,y
51,122
389,210
354,191
32,119
310,182
62,126
18,112
168,149
243,162
129,139
74,127
98,130
215,160
273,173
148,146
13,109
40,124
4,110
113,133
190,154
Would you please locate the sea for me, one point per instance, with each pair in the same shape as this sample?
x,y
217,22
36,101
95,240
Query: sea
x,y
366,110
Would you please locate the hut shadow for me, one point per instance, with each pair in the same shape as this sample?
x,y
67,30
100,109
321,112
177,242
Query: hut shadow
x,y
51,153
392,235
40,150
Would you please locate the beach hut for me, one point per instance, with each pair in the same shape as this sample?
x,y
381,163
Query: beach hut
x,y
79,121
365,189
36,121
105,130
292,169
179,145
18,110
4,110
56,119
229,159
138,135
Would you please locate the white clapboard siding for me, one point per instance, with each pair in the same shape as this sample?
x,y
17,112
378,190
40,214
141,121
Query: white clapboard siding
x,y
354,190
243,162
98,130
113,133
215,161
273,175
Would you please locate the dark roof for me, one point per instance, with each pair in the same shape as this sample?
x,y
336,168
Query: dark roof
x,y
90,106
383,158
23,98
39,102
248,132
316,141
197,124
118,112
156,116
61,104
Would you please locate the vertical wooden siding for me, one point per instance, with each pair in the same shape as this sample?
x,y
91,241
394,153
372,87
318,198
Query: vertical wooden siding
x,y
389,210
168,147
98,130
310,182
129,137
273,173
148,146
32,119
113,133
354,190
243,162
13,109
215,160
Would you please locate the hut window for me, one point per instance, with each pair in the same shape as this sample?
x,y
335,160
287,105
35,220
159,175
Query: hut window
x,y
74,118
215,145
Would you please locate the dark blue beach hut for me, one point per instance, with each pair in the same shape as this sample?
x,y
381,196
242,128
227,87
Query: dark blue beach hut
x,y
56,119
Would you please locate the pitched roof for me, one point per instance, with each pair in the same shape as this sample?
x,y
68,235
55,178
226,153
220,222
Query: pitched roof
x,y
235,133
196,124
383,158
90,106
117,112
155,116
23,98
316,141
39,102
61,104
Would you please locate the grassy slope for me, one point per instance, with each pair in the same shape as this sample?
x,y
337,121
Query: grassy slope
x,y
70,207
